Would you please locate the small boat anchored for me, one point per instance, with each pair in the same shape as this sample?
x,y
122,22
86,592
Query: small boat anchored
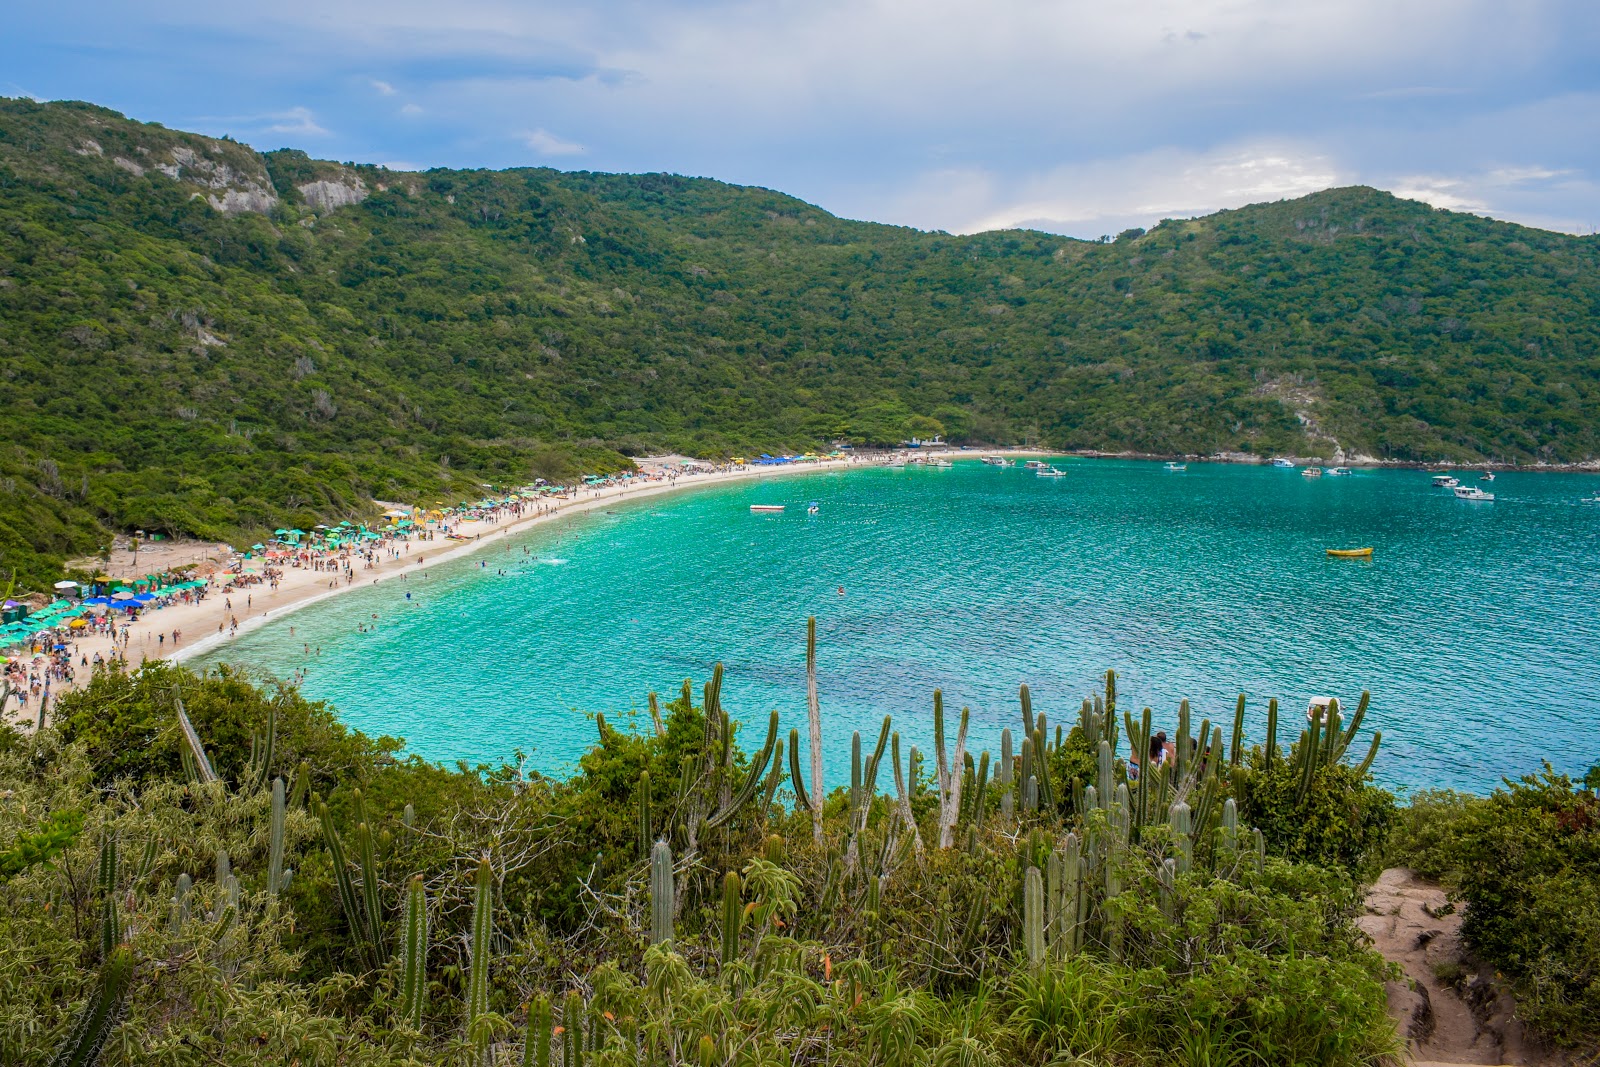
x,y
1488,476
996,461
1311,472
1445,481
1283,464
1034,464
1337,472
1472,492
1176,467
765,508
1351,553
1050,472
812,508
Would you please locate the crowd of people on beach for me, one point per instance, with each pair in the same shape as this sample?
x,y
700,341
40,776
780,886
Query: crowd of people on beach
x,y
118,629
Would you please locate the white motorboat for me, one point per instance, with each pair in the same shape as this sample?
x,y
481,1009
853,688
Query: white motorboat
x,y
996,461
764,508
1472,492
1488,476
940,464
1050,472
1311,472
1176,467
1034,464
1445,481
1337,472
1284,464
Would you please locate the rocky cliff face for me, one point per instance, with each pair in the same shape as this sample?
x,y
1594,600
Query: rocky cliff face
x,y
231,177
325,196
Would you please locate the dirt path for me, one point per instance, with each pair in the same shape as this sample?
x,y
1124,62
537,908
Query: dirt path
x,y
1450,1010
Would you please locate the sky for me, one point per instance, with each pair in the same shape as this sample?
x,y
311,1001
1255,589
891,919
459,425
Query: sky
x,y
1075,117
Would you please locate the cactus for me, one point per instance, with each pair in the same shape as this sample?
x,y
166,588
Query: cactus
x,y
1230,828
1355,724
1270,752
1261,851
1003,774
366,855
1237,746
180,903
1033,916
1180,820
949,770
796,779
645,836
106,877
348,901
1070,937
275,837
261,765
302,785
1103,771
732,917
478,951
903,796
572,1031
774,779
1041,759
981,791
202,765
1027,769
758,770
1030,794
814,721
541,1027
655,716
414,953
99,1014
661,893
1372,754
855,774
1181,763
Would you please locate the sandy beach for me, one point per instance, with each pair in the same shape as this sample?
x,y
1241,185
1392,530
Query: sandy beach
x,y
206,625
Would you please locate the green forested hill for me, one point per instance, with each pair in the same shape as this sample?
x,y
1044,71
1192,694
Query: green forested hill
x,y
198,338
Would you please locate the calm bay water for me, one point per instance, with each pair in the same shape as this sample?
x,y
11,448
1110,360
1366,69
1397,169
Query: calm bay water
x,y
1476,626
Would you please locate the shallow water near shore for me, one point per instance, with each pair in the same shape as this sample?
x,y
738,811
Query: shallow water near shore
x,y
1476,625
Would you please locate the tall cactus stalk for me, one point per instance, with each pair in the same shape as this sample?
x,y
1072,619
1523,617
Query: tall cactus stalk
x,y
180,903
661,893
197,751
814,720
1033,916
100,1013
263,767
479,951
541,1028
275,839
950,770
1270,751
1237,746
107,877
572,1031
732,917
1181,762
903,799
366,854
1181,833
752,780
414,954
1004,774
645,834
349,903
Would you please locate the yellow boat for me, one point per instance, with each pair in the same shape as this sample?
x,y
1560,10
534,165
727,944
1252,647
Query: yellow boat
x,y
1351,553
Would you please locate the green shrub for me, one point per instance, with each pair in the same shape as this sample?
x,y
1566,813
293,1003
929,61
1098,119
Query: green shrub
x,y
1343,819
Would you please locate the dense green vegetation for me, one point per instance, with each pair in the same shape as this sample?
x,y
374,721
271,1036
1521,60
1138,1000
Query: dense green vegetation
x,y
279,889
1525,862
170,366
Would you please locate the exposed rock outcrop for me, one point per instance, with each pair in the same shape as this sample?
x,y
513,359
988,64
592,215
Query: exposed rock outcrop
x,y
326,196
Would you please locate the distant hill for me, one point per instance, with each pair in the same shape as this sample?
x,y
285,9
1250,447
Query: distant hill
x,y
196,337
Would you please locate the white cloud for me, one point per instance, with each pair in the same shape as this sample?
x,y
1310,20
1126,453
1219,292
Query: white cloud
x,y
1087,199
548,144
411,109
297,120
383,88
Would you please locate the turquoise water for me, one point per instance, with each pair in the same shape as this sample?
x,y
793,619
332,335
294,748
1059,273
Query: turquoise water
x,y
1475,626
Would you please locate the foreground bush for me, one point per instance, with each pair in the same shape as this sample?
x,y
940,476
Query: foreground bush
x,y
1525,861
294,893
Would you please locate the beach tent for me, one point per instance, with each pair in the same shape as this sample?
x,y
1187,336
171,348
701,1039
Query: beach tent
x,y
121,594
66,585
